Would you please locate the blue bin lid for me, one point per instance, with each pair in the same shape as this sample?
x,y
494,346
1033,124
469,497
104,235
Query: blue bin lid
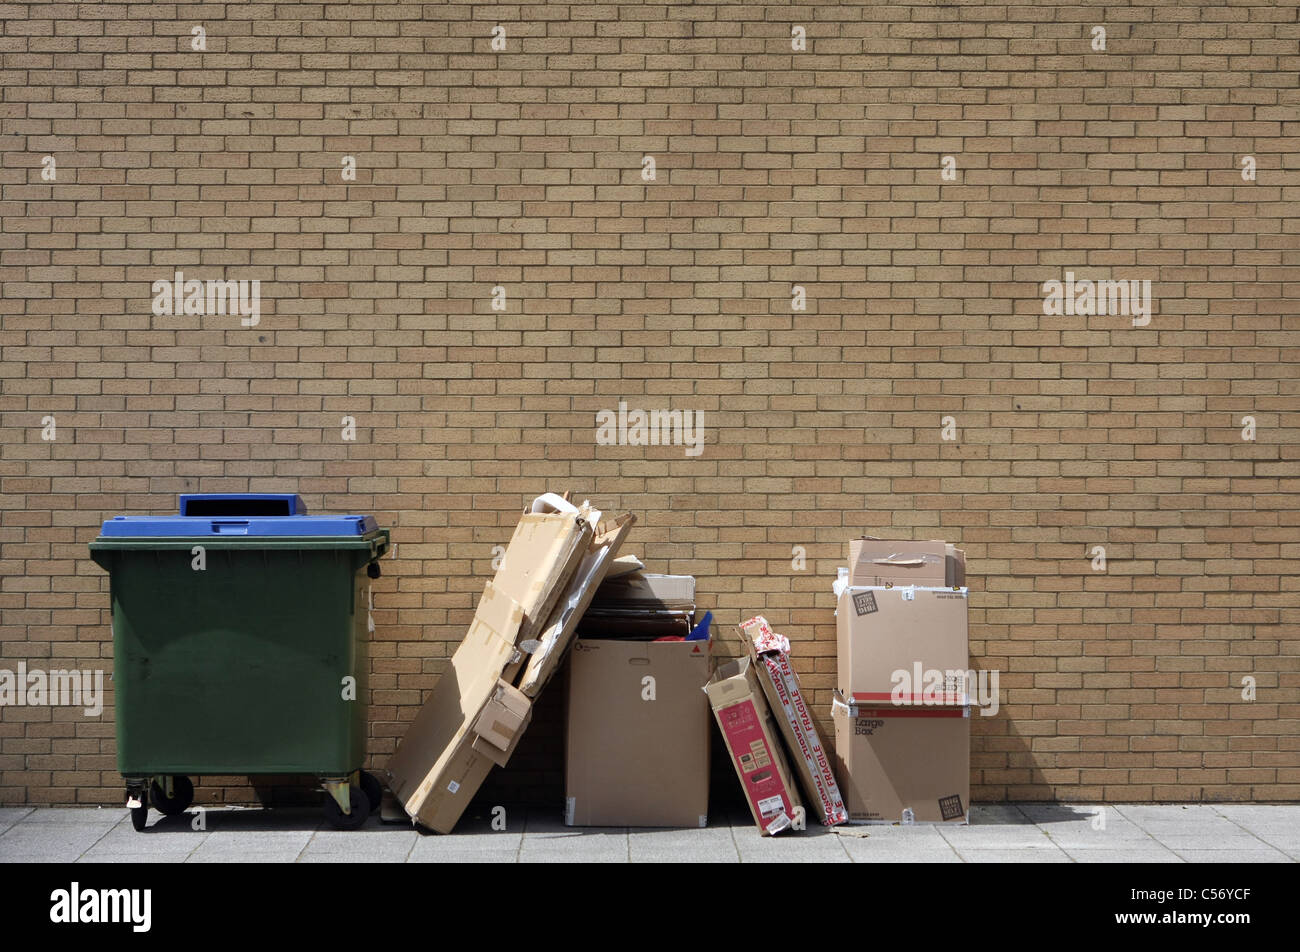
x,y
238,514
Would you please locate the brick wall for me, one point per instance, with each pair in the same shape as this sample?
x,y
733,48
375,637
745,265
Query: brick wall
x,y
821,168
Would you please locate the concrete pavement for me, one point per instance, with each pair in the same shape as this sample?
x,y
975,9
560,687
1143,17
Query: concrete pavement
x,y
1017,833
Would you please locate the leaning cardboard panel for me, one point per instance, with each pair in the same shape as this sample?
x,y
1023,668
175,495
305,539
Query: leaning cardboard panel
x,y
754,745
903,764
542,556
637,734
449,748
771,654
892,643
554,641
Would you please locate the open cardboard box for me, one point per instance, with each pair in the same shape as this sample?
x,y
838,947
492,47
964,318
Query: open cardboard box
x,y
637,734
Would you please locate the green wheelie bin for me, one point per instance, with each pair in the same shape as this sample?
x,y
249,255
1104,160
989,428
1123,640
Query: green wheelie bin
x,y
239,647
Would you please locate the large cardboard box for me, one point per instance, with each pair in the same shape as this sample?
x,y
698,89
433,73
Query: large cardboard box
x,y
903,764
754,744
470,722
771,654
903,645
637,734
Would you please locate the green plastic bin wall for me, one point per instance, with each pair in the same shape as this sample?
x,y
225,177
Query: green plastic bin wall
x,y
240,668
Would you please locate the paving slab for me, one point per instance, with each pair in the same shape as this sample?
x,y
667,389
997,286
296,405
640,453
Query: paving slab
x,y
709,845
1010,836
87,816
226,857
48,842
360,845
452,857
1235,856
11,815
149,858
996,813
123,840
900,856
575,846
1124,856
1013,856
808,846
237,843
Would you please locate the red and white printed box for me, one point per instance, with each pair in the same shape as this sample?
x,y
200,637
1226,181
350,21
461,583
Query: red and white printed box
x,y
780,684
754,745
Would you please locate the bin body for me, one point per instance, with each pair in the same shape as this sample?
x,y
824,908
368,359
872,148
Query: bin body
x,y
241,666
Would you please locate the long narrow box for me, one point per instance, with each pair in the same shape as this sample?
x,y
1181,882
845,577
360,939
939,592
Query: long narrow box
x,y
754,745
771,653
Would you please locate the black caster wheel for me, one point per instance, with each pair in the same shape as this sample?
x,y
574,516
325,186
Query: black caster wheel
x,y
139,817
359,805
374,792
182,796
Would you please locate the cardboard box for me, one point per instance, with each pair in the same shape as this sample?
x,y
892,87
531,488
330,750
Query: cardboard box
x,y
903,765
637,750
470,722
771,654
903,645
754,744
933,564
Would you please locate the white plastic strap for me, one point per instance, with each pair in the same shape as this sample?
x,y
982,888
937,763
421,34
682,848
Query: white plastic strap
x,y
552,502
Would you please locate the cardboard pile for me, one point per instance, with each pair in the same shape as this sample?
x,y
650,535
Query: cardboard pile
x,y
476,714
902,705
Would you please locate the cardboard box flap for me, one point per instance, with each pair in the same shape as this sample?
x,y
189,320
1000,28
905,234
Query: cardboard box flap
x,y
557,636
503,716
456,700
502,723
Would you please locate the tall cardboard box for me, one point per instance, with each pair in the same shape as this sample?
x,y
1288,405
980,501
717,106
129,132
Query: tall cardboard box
x,y
902,706
754,744
908,764
637,734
